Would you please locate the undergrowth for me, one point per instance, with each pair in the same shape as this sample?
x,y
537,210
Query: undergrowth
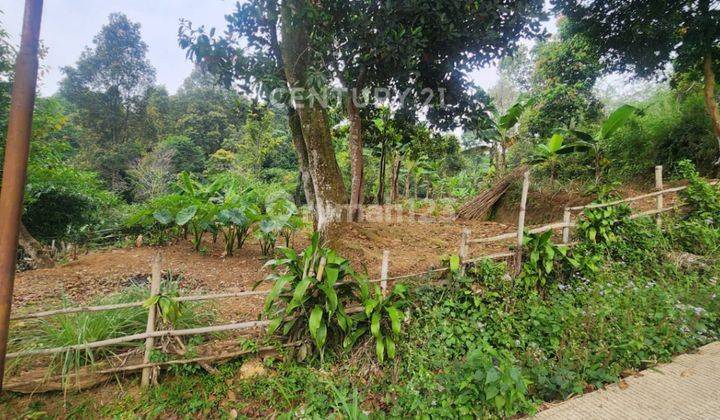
x,y
85,327
485,345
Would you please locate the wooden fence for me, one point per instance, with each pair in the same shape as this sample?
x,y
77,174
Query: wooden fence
x,y
567,223
464,252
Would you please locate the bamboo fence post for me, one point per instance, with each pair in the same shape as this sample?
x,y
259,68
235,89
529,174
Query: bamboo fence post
x,y
567,215
659,199
384,270
152,312
521,222
464,249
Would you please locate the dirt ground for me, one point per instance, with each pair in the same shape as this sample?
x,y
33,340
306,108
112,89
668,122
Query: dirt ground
x,y
416,244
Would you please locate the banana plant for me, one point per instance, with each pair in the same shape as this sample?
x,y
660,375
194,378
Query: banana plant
x,y
550,152
592,144
499,128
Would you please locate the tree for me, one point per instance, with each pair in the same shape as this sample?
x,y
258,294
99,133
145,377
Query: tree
x,y
645,36
206,113
424,47
566,68
498,130
107,88
249,58
515,74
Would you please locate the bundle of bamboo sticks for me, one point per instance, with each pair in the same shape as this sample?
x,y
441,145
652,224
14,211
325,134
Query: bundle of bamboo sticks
x,y
479,206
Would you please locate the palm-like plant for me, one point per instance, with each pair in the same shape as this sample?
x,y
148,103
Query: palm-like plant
x,y
593,144
501,126
550,152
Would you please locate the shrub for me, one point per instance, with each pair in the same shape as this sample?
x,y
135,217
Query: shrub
x,y
701,197
315,306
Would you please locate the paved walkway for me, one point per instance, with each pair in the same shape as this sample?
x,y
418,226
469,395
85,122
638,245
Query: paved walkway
x,y
687,388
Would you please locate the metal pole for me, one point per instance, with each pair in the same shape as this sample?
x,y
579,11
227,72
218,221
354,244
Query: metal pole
x,y
15,167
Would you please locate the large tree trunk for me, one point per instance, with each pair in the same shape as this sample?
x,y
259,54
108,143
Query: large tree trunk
x,y
34,249
356,159
381,180
395,175
301,149
322,164
710,102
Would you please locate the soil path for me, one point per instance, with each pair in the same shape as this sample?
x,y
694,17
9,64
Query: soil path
x,y
687,388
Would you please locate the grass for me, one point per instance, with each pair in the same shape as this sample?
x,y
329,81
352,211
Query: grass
x,y
86,327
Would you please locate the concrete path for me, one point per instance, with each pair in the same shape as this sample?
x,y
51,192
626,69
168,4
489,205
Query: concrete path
x,y
687,388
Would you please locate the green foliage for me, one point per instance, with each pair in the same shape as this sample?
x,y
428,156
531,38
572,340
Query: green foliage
x,y
601,225
86,327
381,315
108,87
549,153
702,198
488,383
310,299
565,71
544,260
61,200
695,236
320,285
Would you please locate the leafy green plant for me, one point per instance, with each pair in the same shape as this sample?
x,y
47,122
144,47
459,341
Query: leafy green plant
x,y
549,153
543,258
601,225
702,198
592,145
199,218
267,233
293,224
381,315
307,302
488,383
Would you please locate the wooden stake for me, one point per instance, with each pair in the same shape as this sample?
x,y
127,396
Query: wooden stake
x,y
384,270
464,249
566,229
659,199
152,312
521,222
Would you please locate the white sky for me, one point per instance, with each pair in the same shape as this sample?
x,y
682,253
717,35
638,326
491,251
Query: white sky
x,y
68,26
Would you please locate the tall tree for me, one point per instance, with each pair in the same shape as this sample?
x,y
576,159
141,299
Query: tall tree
x,y
645,36
566,68
107,86
418,45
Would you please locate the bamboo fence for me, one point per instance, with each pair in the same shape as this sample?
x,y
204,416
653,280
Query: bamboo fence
x,y
464,252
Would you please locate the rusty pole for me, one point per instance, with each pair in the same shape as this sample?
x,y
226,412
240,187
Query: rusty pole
x,y
15,166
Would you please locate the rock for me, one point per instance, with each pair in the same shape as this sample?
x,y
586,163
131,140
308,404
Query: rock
x,y
252,368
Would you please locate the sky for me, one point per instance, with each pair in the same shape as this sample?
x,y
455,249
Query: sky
x,y
68,26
